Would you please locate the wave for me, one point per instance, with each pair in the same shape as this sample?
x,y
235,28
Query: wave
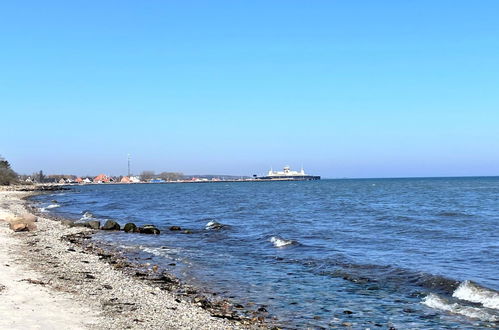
x,y
386,276
281,242
46,208
453,214
214,225
437,302
161,251
473,301
470,291
87,215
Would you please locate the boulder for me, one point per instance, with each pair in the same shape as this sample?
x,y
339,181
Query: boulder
x,y
11,218
213,225
149,229
130,228
68,223
19,224
111,225
30,217
175,228
93,224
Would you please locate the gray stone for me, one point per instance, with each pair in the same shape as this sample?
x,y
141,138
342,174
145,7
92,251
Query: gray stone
x,y
68,223
94,224
213,225
111,225
149,229
130,228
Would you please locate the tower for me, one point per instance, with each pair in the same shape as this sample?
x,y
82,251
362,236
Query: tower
x,y
128,165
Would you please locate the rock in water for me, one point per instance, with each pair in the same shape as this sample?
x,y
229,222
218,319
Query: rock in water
x,y
175,228
94,224
68,223
87,215
130,228
213,225
111,225
149,229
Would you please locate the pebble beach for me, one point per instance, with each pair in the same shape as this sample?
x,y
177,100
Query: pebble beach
x,y
49,281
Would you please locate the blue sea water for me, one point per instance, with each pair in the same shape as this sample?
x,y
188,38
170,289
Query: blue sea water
x,y
403,253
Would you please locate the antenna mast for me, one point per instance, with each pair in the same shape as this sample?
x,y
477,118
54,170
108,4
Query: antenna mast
x,y
128,165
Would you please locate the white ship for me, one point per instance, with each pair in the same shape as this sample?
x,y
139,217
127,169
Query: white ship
x,y
288,174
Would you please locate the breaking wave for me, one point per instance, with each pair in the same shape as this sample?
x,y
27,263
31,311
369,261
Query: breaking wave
x,y
46,208
163,251
470,291
437,302
213,225
280,242
86,216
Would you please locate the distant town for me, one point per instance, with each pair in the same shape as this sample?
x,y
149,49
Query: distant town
x,y
144,177
8,176
166,177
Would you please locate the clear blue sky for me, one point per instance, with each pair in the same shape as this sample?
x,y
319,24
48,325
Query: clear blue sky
x,y
346,88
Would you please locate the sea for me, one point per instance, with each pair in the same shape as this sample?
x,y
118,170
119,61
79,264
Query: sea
x,y
418,253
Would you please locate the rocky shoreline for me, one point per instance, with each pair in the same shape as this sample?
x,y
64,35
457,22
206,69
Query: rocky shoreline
x,y
122,294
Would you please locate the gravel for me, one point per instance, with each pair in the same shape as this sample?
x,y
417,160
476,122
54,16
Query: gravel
x,y
121,301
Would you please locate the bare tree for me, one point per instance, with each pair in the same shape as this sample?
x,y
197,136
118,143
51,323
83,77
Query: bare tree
x,y
39,177
147,175
171,176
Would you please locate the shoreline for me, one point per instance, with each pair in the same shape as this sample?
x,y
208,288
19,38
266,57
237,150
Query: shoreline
x,y
95,286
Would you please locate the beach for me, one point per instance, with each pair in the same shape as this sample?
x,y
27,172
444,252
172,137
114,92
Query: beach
x,y
48,281
389,253
312,254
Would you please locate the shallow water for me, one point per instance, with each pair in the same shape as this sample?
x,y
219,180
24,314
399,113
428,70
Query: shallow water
x,y
408,253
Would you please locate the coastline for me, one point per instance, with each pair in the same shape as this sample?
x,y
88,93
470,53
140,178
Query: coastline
x,y
59,281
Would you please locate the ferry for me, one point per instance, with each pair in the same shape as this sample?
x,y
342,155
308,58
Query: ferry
x,y
288,175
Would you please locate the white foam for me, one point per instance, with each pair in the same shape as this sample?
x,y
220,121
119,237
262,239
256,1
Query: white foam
x,y
214,225
86,216
280,242
151,250
436,302
163,251
43,210
51,206
472,292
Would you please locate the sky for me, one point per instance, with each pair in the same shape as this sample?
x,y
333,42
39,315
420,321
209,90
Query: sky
x,y
344,88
